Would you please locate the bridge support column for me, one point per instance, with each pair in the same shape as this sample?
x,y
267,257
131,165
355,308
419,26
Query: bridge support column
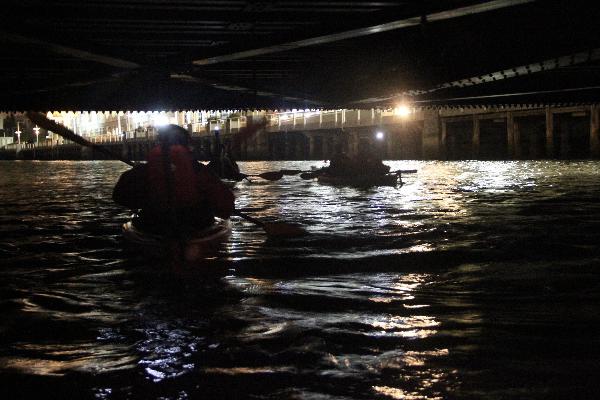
x,y
444,141
565,146
518,152
389,145
285,145
262,146
431,134
595,131
86,153
476,137
325,148
356,145
512,146
300,148
549,133
311,147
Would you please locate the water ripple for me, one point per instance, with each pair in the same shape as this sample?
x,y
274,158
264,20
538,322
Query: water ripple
x,y
473,280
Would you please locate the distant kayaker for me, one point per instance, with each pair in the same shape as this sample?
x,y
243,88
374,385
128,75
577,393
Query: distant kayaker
x,y
373,164
222,161
173,188
367,164
224,166
340,165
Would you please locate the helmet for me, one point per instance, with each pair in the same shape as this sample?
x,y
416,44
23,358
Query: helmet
x,y
173,134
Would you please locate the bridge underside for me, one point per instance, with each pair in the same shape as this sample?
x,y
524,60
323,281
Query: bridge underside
x,y
164,54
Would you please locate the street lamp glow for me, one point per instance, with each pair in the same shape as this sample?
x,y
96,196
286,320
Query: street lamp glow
x,y
18,132
379,135
37,134
402,111
161,120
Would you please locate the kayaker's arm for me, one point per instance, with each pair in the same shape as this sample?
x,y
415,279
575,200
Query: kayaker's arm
x,y
130,190
219,196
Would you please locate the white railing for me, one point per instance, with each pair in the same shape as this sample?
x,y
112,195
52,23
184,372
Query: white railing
x,y
295,120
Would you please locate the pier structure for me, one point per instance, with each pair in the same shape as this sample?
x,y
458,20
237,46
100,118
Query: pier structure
x,y
431,133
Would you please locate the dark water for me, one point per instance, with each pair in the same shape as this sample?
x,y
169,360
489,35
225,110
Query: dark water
x,y
473,280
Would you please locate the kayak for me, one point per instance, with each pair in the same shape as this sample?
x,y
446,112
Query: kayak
x,y
196,245
359,180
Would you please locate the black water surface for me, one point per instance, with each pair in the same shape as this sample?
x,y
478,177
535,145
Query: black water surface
x,y
473,280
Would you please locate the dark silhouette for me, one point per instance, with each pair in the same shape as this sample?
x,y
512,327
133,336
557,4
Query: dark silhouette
x,y
173,191
224,165
369,163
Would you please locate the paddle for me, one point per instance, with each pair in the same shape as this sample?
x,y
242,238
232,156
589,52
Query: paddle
x,y
315,174
312,174
282,229
41,120
270,176
274,175
290,171
275,229
277,175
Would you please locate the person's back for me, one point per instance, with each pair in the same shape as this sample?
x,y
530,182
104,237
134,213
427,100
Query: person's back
x,y
373,163
175,189
224,166
340,164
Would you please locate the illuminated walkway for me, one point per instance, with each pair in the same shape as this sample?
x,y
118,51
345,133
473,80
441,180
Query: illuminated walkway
x,y
523,132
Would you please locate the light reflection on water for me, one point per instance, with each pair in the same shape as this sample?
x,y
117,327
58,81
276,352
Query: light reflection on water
x,y
474,279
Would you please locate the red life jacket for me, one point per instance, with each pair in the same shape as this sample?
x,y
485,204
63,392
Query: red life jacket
x,y
185,190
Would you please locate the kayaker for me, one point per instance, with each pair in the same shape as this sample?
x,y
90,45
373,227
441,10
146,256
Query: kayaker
x,y
173,190
222,162
340,165
369,164
373,164
224,166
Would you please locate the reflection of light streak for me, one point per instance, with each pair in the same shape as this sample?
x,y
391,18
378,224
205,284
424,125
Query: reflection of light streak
x,y
247,370
415,306
396,322
410,327
494,175
397,393
60,359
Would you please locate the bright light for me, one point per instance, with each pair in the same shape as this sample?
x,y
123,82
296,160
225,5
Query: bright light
x,y
402,111
379,135
37,133
161,120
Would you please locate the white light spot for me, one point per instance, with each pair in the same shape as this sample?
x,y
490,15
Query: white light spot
x,y
161,120
402,111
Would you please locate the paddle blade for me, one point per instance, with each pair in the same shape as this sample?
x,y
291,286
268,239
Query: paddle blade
x,y
238,177
290,171
274,229
308,175
283,230
271,176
